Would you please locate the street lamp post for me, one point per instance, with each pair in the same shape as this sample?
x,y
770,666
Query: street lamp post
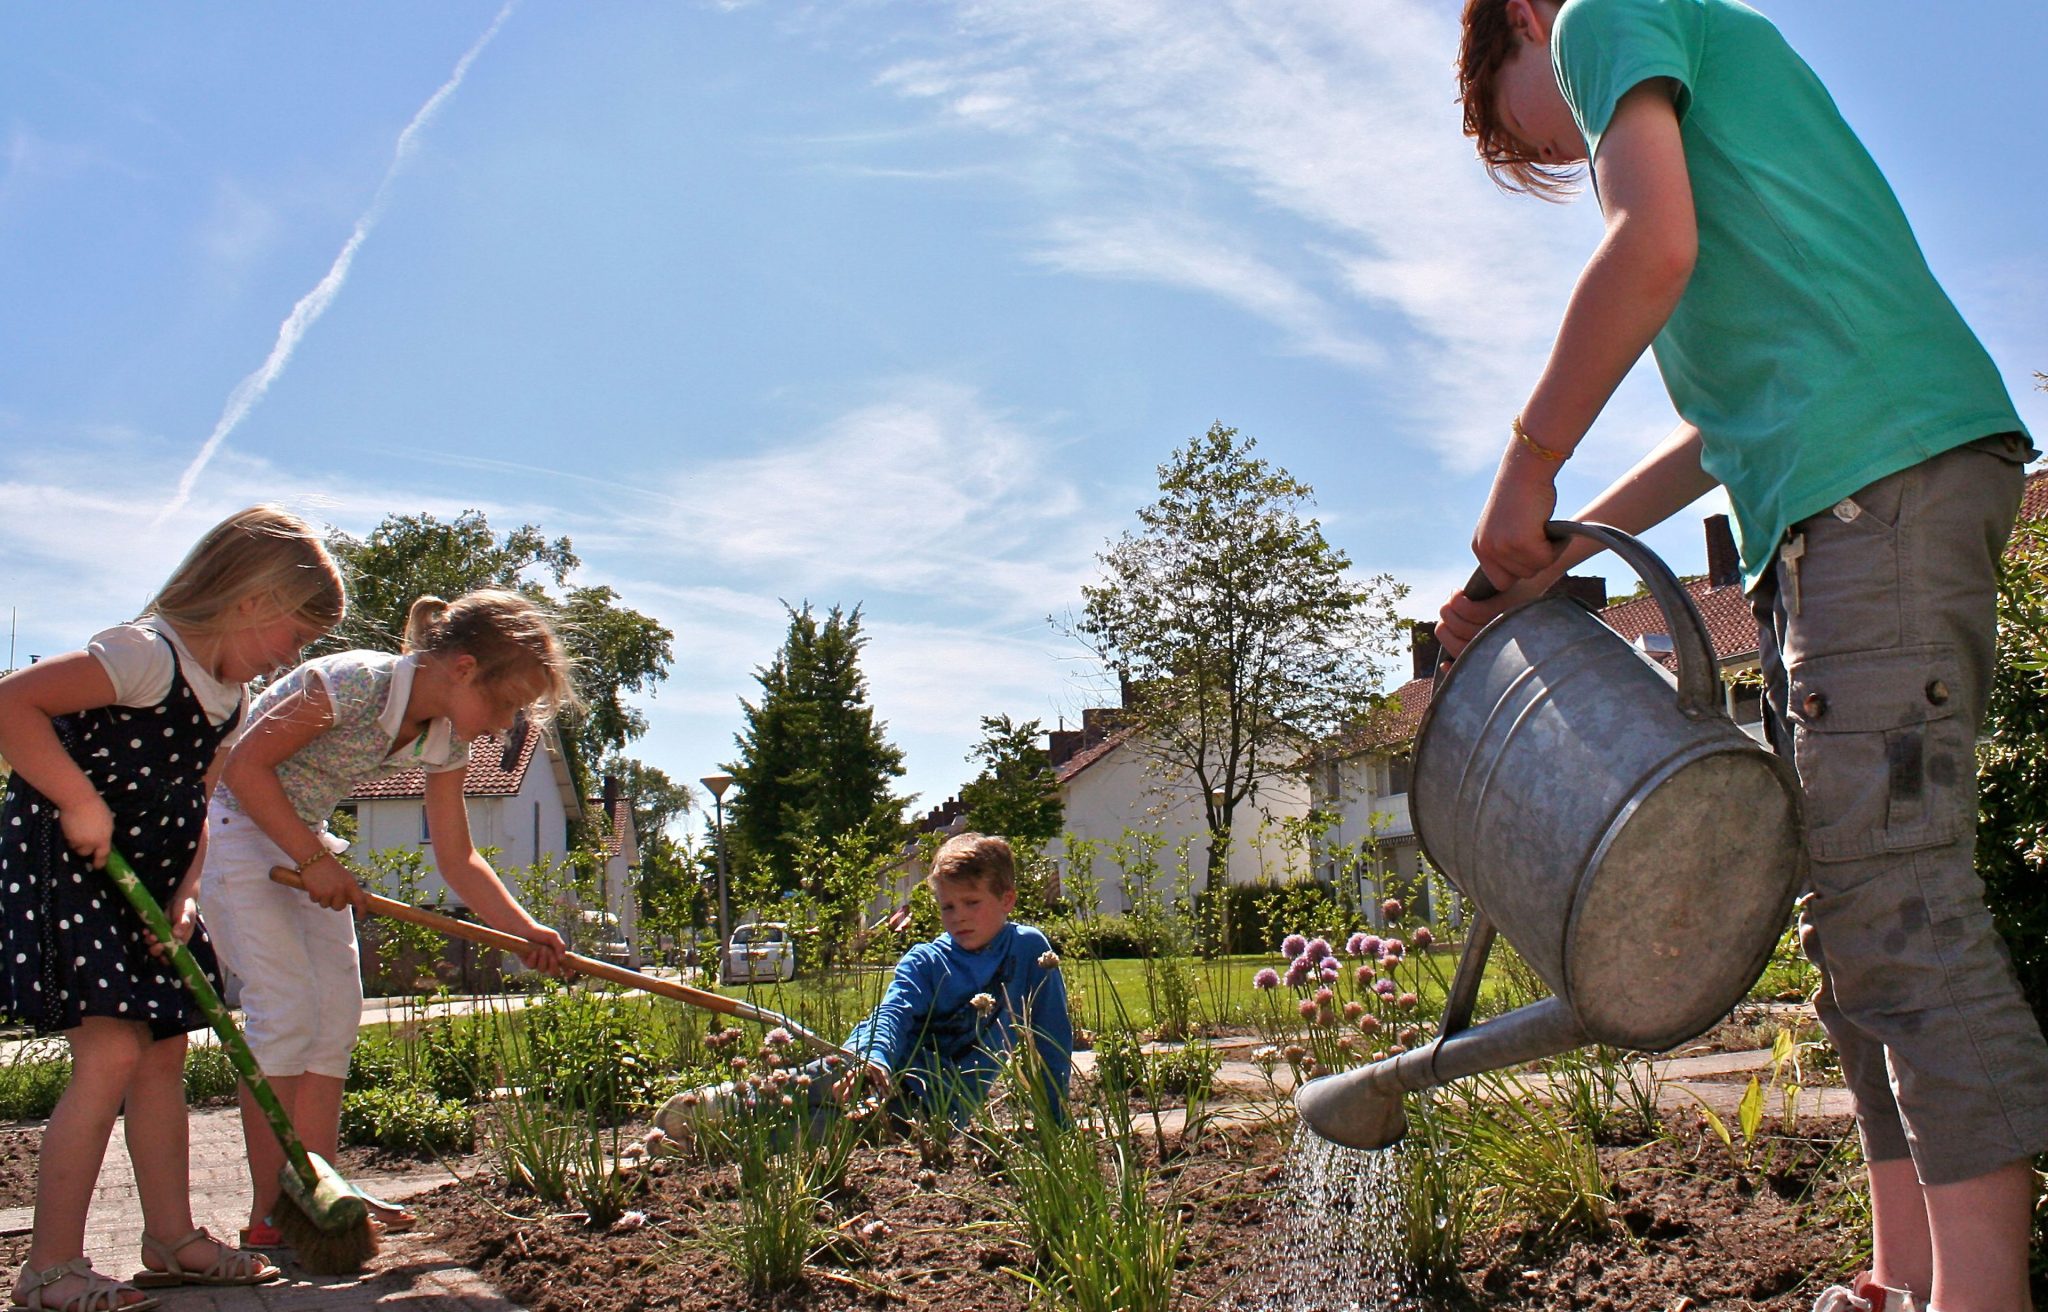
x,y
718,783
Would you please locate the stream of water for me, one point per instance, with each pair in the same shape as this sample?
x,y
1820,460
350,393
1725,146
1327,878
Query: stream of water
x,y
1339,1240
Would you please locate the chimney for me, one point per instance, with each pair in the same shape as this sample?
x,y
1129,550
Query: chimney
x,y
1426,649
611,794
1588,591
1061,744
1724,562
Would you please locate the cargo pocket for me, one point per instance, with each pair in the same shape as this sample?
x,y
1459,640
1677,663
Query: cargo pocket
x,y
1885,764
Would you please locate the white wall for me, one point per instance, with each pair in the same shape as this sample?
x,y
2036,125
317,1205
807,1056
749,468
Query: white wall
x,y
1120,791
528,826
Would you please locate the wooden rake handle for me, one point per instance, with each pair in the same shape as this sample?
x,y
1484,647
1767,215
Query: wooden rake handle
x,y
583,965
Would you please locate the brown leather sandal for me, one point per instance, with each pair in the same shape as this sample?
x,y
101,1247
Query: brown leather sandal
x,y
230,1265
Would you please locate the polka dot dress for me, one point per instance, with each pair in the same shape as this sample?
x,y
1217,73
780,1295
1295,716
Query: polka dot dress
x,y
70,946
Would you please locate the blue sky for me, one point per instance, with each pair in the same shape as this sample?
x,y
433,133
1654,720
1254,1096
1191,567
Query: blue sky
x,y
896,304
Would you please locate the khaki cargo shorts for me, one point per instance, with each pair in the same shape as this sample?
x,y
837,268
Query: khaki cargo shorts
x,y
1878,622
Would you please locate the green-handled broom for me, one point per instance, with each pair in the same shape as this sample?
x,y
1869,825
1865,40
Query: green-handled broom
x,y
322,1216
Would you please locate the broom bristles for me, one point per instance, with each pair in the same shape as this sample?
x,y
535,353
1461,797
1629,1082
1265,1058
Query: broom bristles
x,y
327,1226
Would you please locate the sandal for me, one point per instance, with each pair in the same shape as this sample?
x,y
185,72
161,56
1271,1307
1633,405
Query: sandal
x,y
230,1266
101,1293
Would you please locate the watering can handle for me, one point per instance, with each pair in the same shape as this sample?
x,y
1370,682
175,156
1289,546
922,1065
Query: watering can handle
x,y
1699,689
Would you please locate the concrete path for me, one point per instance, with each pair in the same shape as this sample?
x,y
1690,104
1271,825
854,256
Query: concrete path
x,y
410,1272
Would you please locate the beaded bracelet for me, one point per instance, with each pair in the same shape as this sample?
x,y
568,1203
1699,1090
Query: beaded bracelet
x,y
1542,452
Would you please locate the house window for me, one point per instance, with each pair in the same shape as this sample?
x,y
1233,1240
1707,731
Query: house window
x,y
425,837
1399,770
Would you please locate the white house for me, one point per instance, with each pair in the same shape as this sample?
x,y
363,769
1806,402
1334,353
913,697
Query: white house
x,y
520,798
1364,784
618,842
1109,785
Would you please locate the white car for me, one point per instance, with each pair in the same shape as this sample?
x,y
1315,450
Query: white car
x,y
759,953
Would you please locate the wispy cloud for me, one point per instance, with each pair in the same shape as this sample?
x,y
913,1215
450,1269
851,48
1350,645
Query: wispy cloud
x,y
314,303
1181,129
924,490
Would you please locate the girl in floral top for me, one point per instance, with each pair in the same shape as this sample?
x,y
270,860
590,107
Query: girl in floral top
x,y
469,669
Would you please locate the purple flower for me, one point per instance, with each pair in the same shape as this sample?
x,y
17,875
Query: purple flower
x,y
1331,970
1391,908
1324,997
1266,979
1353,1010
1385,988
1368,1024
1318,948
779,1038
1393,950
1355,945
1307,1008
1363,976
1293,946
1298,972
1423,938
1407,1001
1370,947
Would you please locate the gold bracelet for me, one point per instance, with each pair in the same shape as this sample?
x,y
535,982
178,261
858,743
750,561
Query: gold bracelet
x,y
1543,452
302,867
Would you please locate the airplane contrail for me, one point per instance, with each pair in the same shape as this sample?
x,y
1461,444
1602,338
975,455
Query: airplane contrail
x,y
314,303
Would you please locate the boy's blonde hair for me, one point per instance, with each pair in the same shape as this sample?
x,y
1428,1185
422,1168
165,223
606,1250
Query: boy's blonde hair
x,y
975,858
264,551
507,633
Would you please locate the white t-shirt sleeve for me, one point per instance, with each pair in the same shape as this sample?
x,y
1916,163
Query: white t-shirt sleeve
x,y
139,662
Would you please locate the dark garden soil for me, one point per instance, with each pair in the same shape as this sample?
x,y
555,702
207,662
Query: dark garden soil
x,y
1686,1224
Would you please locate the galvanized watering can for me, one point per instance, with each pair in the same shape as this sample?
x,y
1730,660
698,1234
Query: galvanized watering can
x,y
1638,849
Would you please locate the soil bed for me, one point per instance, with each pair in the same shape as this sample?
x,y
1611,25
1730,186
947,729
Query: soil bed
x,y
1686,1225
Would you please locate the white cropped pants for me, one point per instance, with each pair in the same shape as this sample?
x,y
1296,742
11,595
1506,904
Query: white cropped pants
x,y
302,986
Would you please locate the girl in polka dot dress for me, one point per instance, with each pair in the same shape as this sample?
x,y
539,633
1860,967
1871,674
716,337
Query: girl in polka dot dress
x,y
118,747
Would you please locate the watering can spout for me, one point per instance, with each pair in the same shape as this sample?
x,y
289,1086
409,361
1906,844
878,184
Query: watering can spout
x,y
1362,1108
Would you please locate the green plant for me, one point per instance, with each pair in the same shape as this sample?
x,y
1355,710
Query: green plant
x,y
583,1051
407,1120
209,1075
1439,1194
1536,1166
457,1055
380,1061
33,1079
1083,1198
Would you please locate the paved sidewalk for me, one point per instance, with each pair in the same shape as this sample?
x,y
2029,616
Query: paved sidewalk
x,y
410,1271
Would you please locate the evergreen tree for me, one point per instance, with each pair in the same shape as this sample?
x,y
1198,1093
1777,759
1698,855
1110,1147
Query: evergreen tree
x,y
813,762
1016,794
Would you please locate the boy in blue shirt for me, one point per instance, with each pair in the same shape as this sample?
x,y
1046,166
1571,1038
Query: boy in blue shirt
x,y
956,1004
959,1002
1874,464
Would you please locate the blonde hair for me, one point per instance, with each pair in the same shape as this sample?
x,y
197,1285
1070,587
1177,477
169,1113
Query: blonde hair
x,y
264,551
509,636
975,858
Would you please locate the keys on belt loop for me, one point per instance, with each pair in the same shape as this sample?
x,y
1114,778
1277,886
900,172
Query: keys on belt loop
x,y
1788,556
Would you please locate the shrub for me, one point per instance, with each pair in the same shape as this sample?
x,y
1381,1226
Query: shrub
x,y
406,1120
1098,936
378,1063
209,1075
33,1080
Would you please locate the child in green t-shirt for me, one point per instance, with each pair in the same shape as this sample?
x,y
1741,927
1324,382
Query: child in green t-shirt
x,y
1873,460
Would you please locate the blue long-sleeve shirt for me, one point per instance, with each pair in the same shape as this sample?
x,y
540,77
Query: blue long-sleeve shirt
x,y
927,1022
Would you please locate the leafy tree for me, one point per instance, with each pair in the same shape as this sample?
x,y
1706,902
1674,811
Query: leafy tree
x,y
1236,627
813,761
2012,776
617,650
1016,794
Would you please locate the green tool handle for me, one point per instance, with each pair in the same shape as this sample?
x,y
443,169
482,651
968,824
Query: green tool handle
x,y
217,1015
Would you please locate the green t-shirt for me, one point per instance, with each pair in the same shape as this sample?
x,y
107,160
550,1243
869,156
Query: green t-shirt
x,y
1812,348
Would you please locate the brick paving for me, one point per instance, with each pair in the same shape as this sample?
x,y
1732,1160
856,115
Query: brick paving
x,y
410,1272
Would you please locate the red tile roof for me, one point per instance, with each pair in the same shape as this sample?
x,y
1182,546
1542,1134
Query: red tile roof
x,y
612,837
1088,756
2034,504
486,775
